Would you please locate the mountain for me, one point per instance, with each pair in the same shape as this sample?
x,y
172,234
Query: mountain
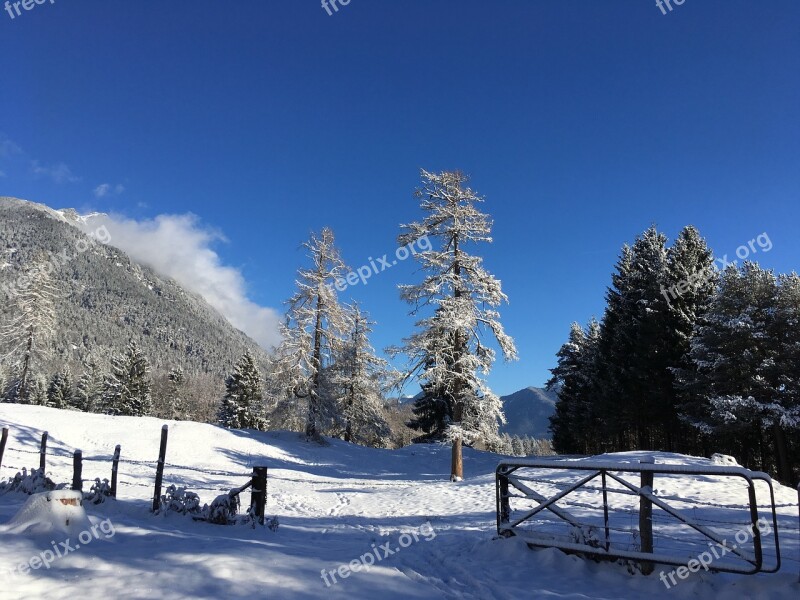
x,y
528,411
106,299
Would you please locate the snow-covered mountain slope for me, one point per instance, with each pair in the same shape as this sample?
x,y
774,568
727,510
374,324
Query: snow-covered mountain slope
x,y
335,504
105,298
528,412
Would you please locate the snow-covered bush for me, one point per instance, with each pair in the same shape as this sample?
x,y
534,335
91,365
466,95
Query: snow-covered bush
x,y
25,482
586,536
222,510
99,491
177,499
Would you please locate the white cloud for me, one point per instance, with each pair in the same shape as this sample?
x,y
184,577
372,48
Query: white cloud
x,y
12,153
104,189
179,247
8,147
59,173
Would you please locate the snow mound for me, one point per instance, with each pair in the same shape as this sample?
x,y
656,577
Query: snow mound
x,y
56,511
724,460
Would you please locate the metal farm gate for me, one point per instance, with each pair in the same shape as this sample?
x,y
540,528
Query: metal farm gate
x,y
628,511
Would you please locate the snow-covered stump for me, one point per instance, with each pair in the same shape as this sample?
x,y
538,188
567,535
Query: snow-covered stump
x,y
50,512
646,516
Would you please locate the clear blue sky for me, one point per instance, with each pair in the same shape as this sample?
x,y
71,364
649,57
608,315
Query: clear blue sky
x,y
581,122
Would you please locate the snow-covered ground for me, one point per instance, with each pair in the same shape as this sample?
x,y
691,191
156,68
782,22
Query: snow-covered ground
x,y
335,504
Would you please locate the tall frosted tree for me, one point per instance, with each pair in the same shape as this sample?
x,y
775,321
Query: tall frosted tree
x,y
359,378
128,386
634,359
691,285
464,297
25,337
243,404
313,335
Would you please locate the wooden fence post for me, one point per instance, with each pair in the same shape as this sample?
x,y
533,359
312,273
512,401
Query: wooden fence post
x,y
77,471
3,441
646,516
114,467
258,497
162,453
43,452
505,505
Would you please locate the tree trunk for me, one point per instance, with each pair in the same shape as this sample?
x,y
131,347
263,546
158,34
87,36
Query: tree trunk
x,y
782,455
457,464
313,398
26,363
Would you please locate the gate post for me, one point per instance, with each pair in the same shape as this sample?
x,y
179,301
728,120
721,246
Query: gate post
x,y
646,515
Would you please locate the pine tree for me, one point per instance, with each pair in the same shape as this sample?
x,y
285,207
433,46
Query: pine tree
x,y
177,403
734,358
312,335
37,391
243,403
691,285
573,419
432,410
60,392
360,377
785,335
635,380
465,298
127,388
89,392
26,336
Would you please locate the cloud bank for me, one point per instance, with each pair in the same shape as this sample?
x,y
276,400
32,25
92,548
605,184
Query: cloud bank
x,y
179,246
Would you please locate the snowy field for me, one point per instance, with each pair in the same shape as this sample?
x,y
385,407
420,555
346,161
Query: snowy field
x,y
335,504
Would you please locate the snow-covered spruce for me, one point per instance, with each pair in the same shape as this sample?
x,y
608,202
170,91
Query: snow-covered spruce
x,y
448,353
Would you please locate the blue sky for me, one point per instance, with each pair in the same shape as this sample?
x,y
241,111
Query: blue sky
x,y
580,122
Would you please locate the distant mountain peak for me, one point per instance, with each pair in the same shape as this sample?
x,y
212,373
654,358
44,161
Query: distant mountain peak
x,y
528,412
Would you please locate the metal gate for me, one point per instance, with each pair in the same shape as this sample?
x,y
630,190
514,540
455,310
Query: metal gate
x,y
604,514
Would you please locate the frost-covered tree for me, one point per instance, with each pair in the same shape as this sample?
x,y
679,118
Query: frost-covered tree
x,y
127,387
175,395
37,394
634,363
242,406
313,334
464,298
576,417
26,335
60,392
735,357
359,378
89,390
